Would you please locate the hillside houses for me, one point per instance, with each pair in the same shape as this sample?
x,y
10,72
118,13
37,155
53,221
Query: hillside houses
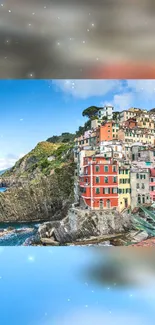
x,y
116,161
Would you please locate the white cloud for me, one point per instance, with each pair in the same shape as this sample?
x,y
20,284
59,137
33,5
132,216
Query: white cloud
x,y
124,93
146,88
91,317
87,88
9,160
121,101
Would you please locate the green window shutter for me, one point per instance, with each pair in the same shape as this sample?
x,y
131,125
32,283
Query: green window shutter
x,y
106,168
97,190
97,168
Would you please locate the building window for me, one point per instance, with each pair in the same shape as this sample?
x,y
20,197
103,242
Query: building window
x,y
106,169
114,179
114,190
126,171
106,179
114,168
106,190
137,185
97,190
137,176
97,168
97,179
139,199
143,199
83,190
143,186
120,191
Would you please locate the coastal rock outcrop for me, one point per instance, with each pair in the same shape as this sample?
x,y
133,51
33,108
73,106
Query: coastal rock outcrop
x,y
39,189
80,224
44,199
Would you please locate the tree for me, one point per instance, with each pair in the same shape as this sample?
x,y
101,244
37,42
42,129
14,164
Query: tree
x,y
90,111
64,137
84,128
116,115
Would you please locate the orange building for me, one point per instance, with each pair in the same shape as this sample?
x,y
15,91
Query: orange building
x,y
104,133
99,183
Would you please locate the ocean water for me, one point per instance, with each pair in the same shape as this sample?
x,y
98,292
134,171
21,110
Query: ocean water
x,y
2,189
18,239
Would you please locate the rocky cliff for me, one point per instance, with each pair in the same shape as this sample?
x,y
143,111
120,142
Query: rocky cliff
x,y
83,224
40,185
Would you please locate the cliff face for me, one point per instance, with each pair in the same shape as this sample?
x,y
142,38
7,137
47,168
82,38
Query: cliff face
x,y
40,185
83,224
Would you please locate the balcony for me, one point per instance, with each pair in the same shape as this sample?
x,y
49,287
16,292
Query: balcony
x,y
84,184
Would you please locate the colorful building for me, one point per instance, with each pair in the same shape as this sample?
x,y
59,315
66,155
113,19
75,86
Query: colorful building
x,y
145,121
130,123
136,135
104,133
124,190
152,184
115,128
106,111
126,114
140,191
99,183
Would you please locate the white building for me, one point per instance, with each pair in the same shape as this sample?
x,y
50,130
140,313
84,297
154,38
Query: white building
x,y
106,111
112,149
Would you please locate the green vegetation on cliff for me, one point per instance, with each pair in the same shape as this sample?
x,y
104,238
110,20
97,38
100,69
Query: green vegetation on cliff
x,y
43,159
63,138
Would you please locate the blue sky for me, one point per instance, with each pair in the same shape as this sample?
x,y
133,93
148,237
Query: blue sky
x,y
33,110
48,286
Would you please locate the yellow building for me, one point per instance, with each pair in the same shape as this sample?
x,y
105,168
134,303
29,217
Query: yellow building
x,y
124,190
145,136
115,128
144,121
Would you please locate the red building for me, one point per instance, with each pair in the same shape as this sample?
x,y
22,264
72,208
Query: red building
x,y
99,183
130,123
152,184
